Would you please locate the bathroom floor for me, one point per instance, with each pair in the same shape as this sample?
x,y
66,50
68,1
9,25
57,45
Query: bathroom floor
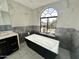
x,y
24,53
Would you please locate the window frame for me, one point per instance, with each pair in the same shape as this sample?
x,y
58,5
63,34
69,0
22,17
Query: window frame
x,y
47,18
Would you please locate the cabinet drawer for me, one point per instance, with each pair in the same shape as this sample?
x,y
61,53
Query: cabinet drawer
x,y
14,45
2,42
12,39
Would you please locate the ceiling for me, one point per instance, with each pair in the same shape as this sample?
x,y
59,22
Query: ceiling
x,y
35,3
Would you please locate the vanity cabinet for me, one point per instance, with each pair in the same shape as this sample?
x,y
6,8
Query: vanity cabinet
x,y
8,45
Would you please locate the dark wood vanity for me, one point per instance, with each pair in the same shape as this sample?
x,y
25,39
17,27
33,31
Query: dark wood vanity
x,y
8,44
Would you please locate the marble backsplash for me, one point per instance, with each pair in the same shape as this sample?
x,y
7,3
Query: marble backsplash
x,y
25,29
19,29
5,27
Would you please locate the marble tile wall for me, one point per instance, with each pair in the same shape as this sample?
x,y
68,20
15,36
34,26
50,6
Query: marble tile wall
x,y
5,27
23,30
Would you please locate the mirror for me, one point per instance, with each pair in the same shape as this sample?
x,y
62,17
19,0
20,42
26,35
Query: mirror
x,y
5,22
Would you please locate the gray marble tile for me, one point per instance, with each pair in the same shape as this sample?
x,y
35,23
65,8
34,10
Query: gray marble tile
x,y
5,27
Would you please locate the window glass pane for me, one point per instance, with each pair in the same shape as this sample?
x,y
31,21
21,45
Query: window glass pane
x,y
48,23
43,15
51,25
44,20
49,13
51,10
51,20
44,25
46,11
54,13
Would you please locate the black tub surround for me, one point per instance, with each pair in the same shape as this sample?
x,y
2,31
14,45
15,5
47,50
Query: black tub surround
x,y
43,45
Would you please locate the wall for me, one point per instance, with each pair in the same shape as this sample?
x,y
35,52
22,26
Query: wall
x,y
5,24
20,14
21,19
24,19
67,11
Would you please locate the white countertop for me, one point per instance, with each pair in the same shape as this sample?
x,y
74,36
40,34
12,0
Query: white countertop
x,y
48,43
6,34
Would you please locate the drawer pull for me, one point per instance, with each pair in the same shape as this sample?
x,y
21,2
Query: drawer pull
x,y
13,44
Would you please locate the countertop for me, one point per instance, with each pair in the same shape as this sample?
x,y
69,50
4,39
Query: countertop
x,y
6,34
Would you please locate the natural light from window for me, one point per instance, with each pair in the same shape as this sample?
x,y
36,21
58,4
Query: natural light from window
x,y
48,20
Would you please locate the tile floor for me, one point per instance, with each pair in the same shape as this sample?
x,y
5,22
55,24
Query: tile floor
x,y
24,53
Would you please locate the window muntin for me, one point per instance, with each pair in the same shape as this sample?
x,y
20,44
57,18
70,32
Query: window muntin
x,y
50,12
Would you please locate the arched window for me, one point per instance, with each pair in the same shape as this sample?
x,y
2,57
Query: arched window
x,y
48,20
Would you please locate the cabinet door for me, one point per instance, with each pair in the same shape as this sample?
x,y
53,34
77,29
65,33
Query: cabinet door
x,y
12,39
8,45
3,47
12,44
